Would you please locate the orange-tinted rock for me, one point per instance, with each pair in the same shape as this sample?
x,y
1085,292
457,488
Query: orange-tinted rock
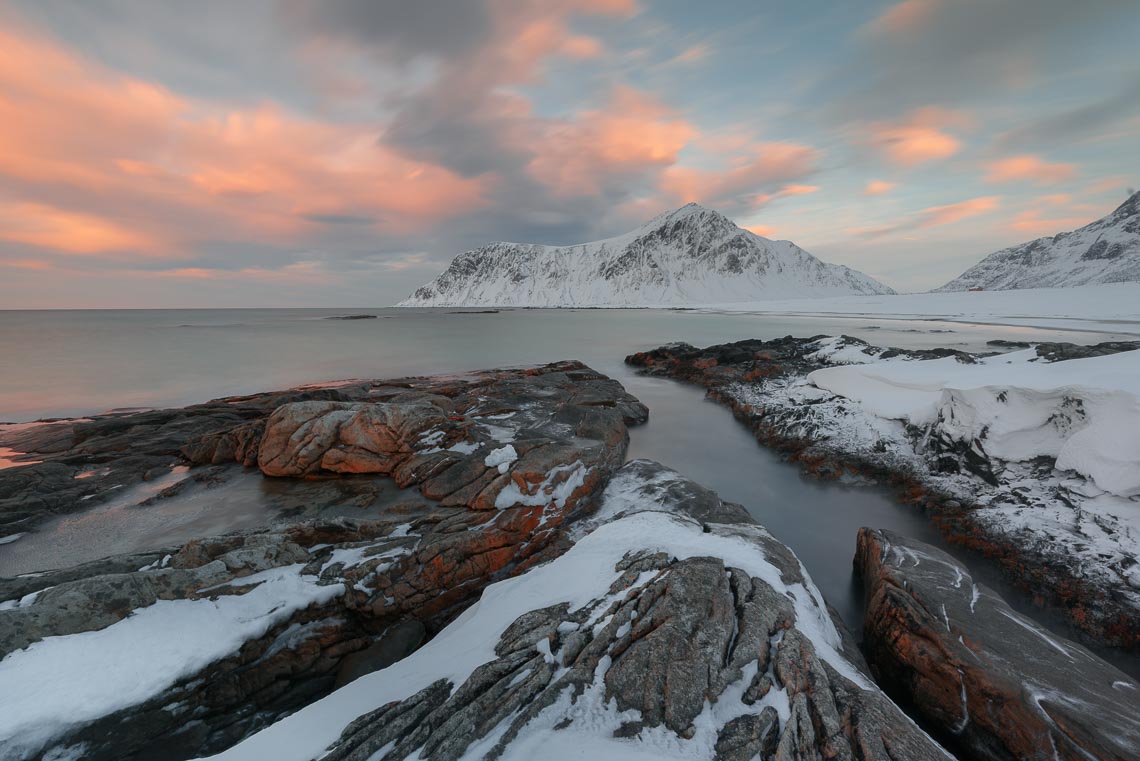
x,y
994,683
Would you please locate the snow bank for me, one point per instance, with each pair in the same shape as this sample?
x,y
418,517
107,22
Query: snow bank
x,y
1104,308
70,680
1083,412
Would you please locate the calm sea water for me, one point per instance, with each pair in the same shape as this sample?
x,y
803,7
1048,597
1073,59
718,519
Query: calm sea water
x,y
71,363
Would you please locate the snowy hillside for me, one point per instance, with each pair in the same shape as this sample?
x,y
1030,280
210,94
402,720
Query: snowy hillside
x,y
688,256
1104,251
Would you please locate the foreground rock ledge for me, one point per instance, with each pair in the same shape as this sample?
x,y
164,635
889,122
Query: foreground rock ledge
x,y
675,627
185,651
435,433
1040,523
995,684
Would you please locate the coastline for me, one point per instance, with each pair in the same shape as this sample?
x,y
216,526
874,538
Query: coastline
x,y
766,386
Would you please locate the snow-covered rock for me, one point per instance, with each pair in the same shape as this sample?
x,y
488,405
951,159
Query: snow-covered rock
x,y
1104,251
658,635
692,255
1031,456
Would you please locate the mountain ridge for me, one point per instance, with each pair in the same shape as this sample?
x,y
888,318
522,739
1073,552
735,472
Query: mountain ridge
x,y
1106,250
690,255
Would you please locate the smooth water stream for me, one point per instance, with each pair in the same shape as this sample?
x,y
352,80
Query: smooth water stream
x,y
75,363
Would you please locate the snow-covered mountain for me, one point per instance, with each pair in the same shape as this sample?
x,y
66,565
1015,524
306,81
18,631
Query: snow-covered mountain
x,y
1104,251
692,255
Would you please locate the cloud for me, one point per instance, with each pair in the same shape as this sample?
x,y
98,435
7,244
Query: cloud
x,y
767,173
302,273
878,187
903,18
919,138
1028,168
104,163
469,119
1117,184
628,138
932,216
949,51
955,212
1074,124
394,29
692,54
1033,224
71,232
764,231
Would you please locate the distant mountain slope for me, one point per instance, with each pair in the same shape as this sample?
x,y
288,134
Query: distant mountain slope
x,y
1105,251
692,255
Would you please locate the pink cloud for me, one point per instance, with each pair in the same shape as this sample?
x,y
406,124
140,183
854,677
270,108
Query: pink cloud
x,y
692,54
765,165
919,138
300,273
71,232
878,188
1028,168
904,18
1107,185
633,135
763,231
932,216
935,216
157,170
1034,225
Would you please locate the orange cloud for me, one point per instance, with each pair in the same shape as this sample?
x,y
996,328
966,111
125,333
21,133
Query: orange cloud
x,y
1106,185
158,172
1032,224
767,164
581,47
932,216
296,273
763,231
798,190
634,133
692,54
935,216
904,18
70,232
921,137
26,264
1028,168
878,187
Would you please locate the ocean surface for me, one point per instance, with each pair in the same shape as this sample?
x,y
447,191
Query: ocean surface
x,y
74,363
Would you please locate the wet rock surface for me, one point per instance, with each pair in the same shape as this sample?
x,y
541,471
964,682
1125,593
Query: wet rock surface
x,y
967,493
561,413
994,684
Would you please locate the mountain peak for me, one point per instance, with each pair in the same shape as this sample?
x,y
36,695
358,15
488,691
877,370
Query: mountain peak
x,y
1106,250
1130,207
690,210
689,255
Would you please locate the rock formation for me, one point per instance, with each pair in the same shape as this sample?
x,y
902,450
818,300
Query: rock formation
x,y
996,684
971,496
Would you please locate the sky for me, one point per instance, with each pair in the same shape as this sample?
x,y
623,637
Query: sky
x,y
339,153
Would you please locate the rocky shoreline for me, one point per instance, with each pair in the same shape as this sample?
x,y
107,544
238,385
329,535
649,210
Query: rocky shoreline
x,y
526,593
978,501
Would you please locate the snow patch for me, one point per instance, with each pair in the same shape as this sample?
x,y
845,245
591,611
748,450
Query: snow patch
x,y
70,680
